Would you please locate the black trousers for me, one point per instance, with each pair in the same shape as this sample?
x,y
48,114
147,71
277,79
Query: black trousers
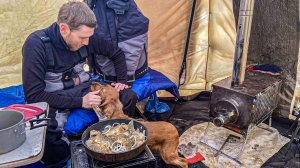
x,y
57,152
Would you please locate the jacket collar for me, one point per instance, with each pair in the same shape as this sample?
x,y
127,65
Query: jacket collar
x,y
56,38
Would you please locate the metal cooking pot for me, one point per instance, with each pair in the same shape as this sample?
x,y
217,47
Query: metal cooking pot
x,y
12,129
113,157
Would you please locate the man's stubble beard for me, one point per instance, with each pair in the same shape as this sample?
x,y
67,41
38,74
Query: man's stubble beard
x,y
67,40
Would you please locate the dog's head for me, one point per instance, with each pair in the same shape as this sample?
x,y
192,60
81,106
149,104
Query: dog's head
x,y
110,103
107,93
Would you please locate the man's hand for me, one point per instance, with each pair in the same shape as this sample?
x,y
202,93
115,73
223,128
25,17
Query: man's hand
x,y
120,86
91,98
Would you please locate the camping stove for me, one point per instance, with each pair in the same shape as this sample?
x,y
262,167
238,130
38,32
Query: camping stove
x,y
239,108
80,159
243,101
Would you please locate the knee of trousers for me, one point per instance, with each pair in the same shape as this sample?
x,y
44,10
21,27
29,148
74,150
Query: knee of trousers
x,y
128,97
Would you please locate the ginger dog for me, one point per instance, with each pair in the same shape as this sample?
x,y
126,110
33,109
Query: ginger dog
x,y
162,136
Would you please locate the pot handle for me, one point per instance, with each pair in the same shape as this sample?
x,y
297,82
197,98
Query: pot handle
x,y
19,128
34,123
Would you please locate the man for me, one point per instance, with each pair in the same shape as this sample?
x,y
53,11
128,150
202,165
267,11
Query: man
x,y
53,72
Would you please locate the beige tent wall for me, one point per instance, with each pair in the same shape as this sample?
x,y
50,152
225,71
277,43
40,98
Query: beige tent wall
x,y
168,27
211,51
222,37
208,59
196,60
167,34
167,37
296,97
18,18
211,46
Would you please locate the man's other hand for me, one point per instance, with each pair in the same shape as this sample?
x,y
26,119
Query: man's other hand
x,y
91,98
120,86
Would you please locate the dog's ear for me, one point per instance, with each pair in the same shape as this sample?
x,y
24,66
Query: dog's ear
x,y
109,110
112,107
107,99
95,86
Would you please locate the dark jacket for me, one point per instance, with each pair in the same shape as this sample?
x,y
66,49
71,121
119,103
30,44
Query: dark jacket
x,y
122,22
40,85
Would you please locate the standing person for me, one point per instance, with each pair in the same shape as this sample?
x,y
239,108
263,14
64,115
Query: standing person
x,y
124,24
53,60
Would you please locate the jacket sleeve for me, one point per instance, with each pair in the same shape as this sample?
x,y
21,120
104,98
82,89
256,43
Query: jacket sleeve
x,y
34,67
97,45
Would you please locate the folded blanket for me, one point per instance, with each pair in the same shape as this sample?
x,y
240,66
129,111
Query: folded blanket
x,y
265,68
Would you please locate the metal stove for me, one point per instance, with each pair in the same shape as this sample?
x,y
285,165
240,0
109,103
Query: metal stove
x,y
79,159
241,102
239,108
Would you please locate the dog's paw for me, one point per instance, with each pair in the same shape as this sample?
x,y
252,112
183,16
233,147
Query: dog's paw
x,y
188,150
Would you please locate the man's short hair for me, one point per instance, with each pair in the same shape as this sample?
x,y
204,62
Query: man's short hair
x,y
76,14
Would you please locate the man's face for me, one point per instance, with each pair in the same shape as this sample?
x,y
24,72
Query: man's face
x,y
75,39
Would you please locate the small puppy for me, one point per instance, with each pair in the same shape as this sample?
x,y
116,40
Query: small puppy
x,y
162,136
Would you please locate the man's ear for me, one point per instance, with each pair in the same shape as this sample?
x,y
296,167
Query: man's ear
x,y
64,29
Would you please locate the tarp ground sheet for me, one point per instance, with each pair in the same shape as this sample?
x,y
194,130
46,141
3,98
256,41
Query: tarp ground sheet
x,y
185,114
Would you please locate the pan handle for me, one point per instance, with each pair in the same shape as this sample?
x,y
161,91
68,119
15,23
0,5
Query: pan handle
x,y
34,123
19,129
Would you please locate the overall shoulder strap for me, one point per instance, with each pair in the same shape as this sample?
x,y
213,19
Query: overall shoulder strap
x,y
83,53
47,41
91,3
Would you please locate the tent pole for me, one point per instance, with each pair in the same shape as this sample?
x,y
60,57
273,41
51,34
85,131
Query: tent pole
x,y
183,66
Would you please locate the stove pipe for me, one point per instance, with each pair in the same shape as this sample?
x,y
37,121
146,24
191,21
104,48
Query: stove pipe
x,y
242,42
